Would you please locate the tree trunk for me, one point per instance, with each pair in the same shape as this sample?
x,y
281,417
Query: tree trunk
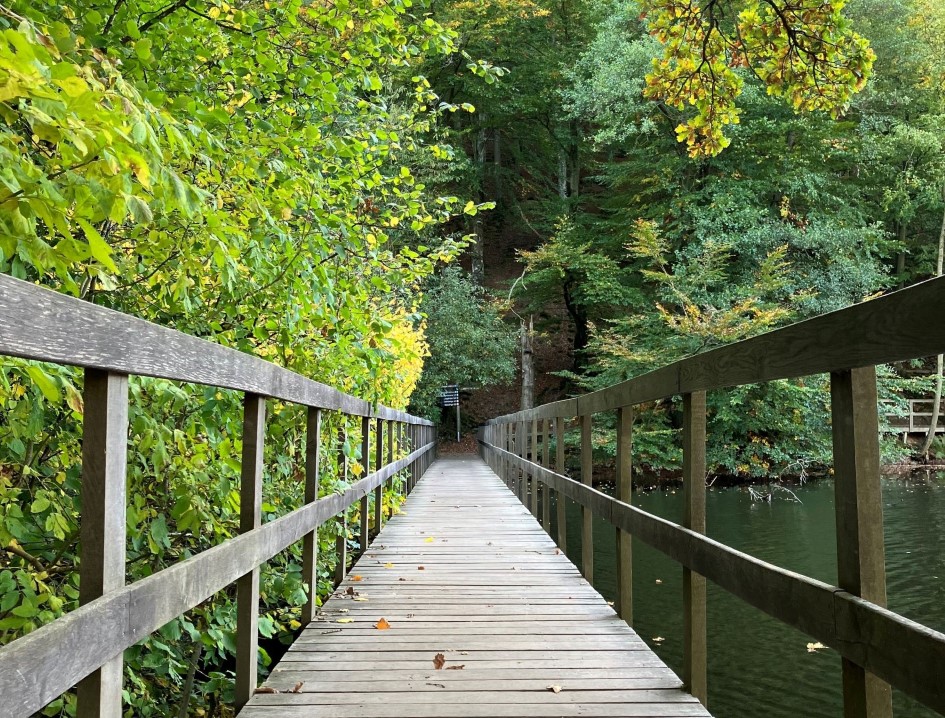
x,y
478,261
937,395
574,179
528,364
497,164
578,315
562,174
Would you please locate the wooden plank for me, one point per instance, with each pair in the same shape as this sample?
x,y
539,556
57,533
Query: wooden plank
x,y
694,593
858,500
313,430
366,499
103,532
624,559
515,625
247,585
546,462
587,515
902,652
378,462
39,323
561,507
39,667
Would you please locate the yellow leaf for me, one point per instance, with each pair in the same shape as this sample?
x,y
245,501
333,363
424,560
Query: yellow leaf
x,y
345,620
429,539
388,565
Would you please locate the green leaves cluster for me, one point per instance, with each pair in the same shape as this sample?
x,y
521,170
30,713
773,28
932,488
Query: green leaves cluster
x,y
802,50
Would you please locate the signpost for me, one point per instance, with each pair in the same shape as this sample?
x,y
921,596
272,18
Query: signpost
x,y
449,396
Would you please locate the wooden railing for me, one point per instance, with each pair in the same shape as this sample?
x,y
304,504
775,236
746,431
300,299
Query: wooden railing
x,y
919,418
878,647
85,646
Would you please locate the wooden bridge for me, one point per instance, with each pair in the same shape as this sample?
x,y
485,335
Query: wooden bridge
x,y
463,606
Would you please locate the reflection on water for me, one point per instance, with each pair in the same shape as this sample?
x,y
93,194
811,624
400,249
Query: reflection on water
x,y
758,666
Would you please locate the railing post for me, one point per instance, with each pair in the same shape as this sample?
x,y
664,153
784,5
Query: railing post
x,y
587,517
102,568
313,430
694,609
534,475
378,463
546,462
625,494
390,460
521,443
861,562
247,586
561,508
341,542
507,445
366,464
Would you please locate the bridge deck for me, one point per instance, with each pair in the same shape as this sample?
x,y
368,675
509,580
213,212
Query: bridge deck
x,y
468,573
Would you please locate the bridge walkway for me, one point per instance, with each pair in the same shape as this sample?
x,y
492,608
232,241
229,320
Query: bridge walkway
x,y
466,574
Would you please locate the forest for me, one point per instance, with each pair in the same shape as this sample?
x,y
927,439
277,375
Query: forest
x,y
390,196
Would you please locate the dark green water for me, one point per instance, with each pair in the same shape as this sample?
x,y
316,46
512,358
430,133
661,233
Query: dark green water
x,y
758,666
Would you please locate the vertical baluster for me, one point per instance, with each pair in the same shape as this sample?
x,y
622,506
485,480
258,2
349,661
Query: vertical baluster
x,y
561,508
366,499
534,474
546,463
391,427
247,586
587,517
521,446
102,569
625,494
694,612
341,542
378,463
859,511
313,430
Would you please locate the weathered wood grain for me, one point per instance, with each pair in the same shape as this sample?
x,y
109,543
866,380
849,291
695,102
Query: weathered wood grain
x,y
40,666
624,493
904,653
466,571
313,430
38,323
695,652
102,569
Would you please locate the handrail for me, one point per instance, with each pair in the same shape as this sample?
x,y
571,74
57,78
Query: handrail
x,y
877,645
85,646
40,324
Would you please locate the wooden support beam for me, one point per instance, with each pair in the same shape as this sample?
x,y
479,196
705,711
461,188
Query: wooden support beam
x,y
102,530
313,430
247,585
561,507
378,463
546,462
366,499
587,516
533,477
624,494
861,561
341,542
694,597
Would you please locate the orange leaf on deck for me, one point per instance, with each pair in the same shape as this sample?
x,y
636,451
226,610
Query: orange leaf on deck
x,y
420,568
265,689
382,625
356,578
298,687
438,660
460,667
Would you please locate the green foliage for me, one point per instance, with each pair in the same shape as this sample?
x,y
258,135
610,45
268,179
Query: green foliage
x,y
469,343
802,50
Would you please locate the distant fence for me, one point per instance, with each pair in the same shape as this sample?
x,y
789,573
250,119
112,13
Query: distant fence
x,y
878,647
919,418
85,646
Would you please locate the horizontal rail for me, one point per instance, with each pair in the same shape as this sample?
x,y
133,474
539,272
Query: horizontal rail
x,y
42,665
867,334
902,652
44,325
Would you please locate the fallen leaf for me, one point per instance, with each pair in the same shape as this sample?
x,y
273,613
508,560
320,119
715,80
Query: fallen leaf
x,y
388,565
429,539
436,685
357,578
298,687
557,551
456,668
401,579
360,598
345,620
659,580
351,591
421,568
265,689
464,653
382,625
814,647
658,639
554,689
438,660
